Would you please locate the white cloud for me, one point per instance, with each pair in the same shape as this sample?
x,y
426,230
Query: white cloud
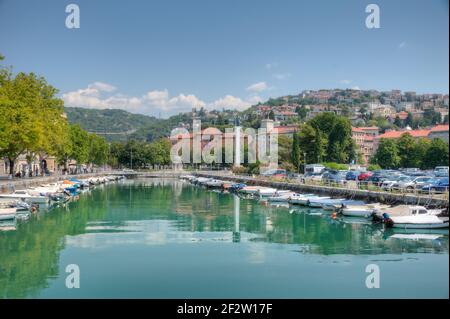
x,y
356,88
257,87
270,66
100,86
345,82
156,102
232,102
282,76
402,45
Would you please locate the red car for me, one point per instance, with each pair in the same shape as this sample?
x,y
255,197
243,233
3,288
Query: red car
x,y
364,176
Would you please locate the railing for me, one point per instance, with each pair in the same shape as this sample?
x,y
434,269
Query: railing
x,y
344,185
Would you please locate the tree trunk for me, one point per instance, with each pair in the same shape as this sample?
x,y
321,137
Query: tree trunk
x,y
11,166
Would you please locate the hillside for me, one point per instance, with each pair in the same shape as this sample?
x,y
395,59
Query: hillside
x,y
113,123
118,125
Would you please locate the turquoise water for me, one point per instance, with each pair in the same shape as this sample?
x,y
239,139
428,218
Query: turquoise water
x,y
159,238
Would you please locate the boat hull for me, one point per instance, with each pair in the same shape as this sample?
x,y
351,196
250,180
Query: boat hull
x,y
420,226
357,212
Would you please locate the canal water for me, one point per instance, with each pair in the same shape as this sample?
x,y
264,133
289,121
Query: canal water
x,y
157,238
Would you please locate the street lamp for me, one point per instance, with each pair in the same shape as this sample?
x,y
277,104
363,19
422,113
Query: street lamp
x,y
304,160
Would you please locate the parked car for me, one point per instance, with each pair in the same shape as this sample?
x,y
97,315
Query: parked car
x,y
391,179
334,176
439,185
412,184
275,173
364,176
314,177
352,175
377,179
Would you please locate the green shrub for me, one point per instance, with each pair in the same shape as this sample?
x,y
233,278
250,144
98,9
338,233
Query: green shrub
x,y
335,166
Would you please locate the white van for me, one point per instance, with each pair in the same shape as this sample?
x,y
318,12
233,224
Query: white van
x,y
440,171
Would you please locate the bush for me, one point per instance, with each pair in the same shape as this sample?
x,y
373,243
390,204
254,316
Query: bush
x,y
254,168
335,166
373,167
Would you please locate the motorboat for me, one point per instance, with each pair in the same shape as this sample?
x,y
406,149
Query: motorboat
x,y
332,205
413,217
214,183
365,210
316,201
266,191
250,190
26,196
201,180
300,199
328,202
7,213
281,197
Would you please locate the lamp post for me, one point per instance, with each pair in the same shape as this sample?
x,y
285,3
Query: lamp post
x,y
304,160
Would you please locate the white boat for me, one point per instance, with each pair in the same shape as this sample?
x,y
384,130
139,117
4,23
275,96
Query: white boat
x,y
300,199
267,191
281,197
7,213
316,201
362,210
414,217
419,222
214,183
26,196
201,180
332,205
250,189
327,202
416,236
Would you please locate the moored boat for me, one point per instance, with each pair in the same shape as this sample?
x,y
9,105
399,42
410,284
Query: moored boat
x,y
413,217
26,196
7,213
300,199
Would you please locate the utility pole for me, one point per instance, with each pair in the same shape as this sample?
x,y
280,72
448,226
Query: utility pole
x,y
304,160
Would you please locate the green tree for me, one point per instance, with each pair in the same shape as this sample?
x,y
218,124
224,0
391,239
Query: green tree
x,y
296,155
301,111
30,117
98,150
340,145
398,122
409,120
437,154
312,142
406,147
387,154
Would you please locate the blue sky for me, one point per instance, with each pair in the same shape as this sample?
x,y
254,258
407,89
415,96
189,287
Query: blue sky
x,y
162,57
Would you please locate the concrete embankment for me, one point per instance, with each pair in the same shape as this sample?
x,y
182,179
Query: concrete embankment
x,y
366,195
8,186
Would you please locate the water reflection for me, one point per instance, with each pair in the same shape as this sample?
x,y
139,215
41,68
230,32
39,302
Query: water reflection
x,y
162,212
